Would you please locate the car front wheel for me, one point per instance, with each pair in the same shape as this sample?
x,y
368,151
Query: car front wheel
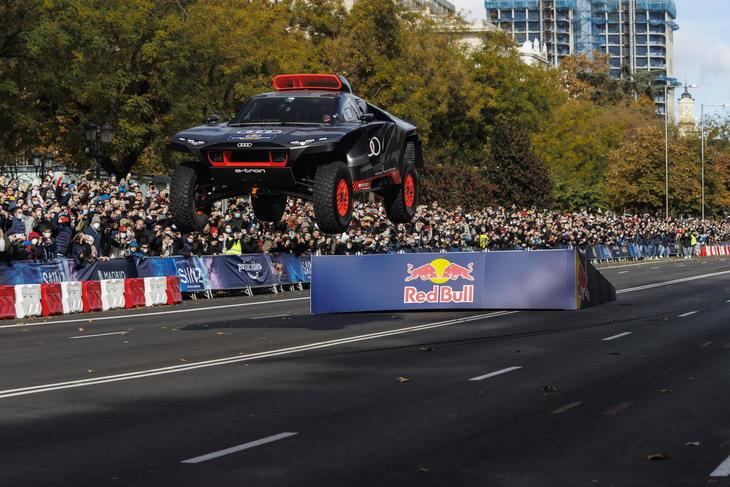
x,y
332,197
189,197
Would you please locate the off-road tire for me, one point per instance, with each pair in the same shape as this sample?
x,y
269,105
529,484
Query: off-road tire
x,y
332,197
186,216
268,207
401,200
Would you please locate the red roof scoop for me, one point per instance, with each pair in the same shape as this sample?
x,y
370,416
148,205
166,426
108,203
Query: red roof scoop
x,y
324,82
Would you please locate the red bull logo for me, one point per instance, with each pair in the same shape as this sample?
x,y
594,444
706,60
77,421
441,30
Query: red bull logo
x,y
440,272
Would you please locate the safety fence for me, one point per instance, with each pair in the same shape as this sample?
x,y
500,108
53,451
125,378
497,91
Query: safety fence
x,y
206,273
59,298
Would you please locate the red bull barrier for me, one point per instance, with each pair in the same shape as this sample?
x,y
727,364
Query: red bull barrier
x,y
555,279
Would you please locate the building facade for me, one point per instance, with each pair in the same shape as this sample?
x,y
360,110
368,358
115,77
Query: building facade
x,y
637,35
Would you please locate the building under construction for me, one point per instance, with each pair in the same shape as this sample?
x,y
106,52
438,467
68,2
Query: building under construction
x,y
635,34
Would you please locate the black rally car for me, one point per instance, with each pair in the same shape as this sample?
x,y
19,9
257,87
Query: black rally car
x,y
311,139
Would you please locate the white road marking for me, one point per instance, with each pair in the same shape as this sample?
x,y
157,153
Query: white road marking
x,y
101,334
624,272
495,373
22,391
684,315
153,313
669,283
257,303
723,470
237,448
608,339
272,353
270,316
567,407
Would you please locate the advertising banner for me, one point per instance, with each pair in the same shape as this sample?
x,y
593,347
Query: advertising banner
x,y
493,280
290,268
239,271
103,269
33,273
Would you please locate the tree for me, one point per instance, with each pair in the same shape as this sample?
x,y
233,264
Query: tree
x,y
636,173
519,176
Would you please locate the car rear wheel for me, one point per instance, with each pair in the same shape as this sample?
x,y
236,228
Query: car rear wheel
x,y
268,207
400,201
189,199
332,197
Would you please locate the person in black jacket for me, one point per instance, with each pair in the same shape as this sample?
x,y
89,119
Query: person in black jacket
x,y
84,250
63,236
46,247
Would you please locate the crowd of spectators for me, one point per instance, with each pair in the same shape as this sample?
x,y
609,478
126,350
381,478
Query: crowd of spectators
x,y
86,219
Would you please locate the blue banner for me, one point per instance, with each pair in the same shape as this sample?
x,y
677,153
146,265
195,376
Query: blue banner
x,y
239,271
494,280
291,269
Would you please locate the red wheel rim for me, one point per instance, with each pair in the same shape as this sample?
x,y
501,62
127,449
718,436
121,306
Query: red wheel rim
x,y
343,197
409,190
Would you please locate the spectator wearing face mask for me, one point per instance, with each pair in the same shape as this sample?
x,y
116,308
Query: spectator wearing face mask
x,y
46,247
233,243
217,246
94,231
17,225
186,250
84,251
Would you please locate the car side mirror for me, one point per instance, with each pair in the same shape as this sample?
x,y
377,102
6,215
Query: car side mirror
x,y
213,119
367,117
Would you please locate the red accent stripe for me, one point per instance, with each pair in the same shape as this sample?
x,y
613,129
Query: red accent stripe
x,y
328,82
394,174
228,163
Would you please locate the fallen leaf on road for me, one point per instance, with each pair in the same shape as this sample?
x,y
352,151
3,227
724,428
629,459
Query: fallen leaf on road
x,y
81,329
183,359
90,371
426,349
402,379
692,443
549,389
220,333
422,469
665,391
657,456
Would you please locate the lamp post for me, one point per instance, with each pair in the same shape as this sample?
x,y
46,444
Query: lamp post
x,y
669,83
702,145
41,162
96,136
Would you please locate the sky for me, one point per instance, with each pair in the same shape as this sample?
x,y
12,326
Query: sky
x,y
701,47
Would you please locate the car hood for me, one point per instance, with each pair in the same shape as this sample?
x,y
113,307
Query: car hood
x,y
268,135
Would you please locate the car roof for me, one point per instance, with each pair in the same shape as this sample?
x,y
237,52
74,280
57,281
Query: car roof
x,y
301,94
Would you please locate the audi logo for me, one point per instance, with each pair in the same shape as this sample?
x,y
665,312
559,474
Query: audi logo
x,y
375,147
244,145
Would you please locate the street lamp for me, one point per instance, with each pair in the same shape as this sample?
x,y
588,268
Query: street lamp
x,y
668,83
702,144
96,136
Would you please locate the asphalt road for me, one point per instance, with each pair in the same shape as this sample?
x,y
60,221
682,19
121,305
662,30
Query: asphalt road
x,y
254,391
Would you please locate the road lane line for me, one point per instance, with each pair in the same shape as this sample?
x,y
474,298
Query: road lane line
x,y
100,335
723,470
154,313
567,407
673,281
495,373
614,337
258,303
684,315
706,344
623,272
22,391
238,448
270,316
618,408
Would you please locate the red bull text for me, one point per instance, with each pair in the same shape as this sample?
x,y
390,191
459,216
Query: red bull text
x,y
439,272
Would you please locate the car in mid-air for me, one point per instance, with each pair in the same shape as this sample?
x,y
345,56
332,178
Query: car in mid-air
x,y
311,138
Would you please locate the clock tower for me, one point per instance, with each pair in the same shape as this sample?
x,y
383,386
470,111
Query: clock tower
x,y
687,122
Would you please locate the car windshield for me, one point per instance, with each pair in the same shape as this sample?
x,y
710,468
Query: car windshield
x,y
287,109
